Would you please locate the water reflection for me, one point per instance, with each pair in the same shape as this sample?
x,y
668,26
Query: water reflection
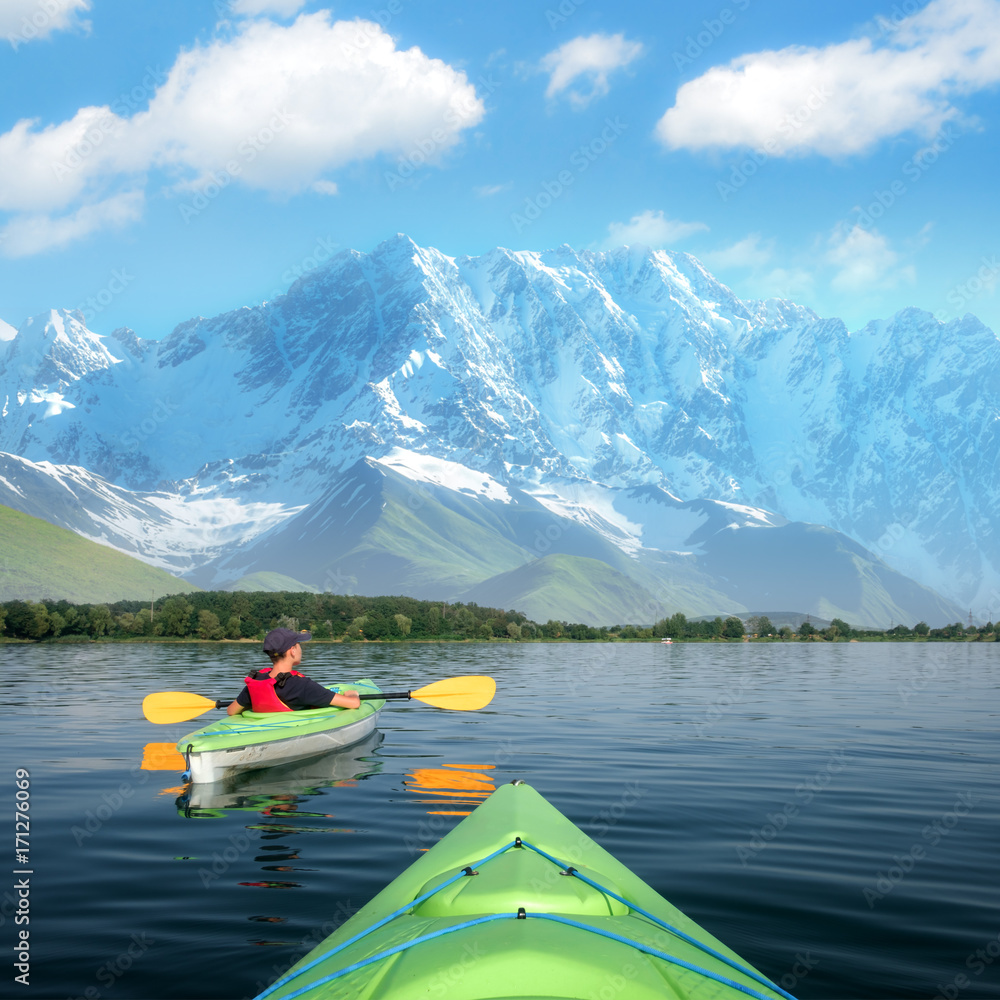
x,y
451,784
284,790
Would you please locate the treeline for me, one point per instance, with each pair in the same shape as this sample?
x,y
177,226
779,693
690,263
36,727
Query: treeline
x,y
761,627
222,614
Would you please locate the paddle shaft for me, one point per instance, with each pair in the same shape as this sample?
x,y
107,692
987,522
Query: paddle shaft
x,y
380,695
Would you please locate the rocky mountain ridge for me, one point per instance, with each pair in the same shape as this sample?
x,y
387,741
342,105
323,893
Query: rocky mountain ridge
x,y
572,378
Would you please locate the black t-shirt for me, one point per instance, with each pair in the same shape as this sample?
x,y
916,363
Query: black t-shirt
x,y
296,692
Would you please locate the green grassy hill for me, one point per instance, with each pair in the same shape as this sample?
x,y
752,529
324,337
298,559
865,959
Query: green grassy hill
x,y
567,588
39,560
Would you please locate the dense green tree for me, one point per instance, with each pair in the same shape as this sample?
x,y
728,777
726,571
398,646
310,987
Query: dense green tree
x,y
463,622
27,620
838,628
100,621
209,626
765,626
732,628
57,623
174,617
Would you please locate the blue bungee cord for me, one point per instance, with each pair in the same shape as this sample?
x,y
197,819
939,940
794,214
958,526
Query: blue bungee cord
x,y
756,976
381,923
567,869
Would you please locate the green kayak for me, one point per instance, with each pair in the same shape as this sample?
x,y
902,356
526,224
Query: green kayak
x,y
252,740
518,902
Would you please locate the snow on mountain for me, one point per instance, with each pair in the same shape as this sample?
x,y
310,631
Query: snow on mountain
x,y
173,532
612,389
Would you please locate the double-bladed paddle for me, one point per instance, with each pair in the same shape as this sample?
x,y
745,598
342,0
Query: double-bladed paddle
x,y
461,694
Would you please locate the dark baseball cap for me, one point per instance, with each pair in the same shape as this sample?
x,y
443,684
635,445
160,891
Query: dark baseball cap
x,y
280,640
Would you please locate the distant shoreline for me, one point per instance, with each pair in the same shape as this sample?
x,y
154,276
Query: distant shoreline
x,y
776,640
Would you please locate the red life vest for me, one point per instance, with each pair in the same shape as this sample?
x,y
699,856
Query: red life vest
x,y
263,697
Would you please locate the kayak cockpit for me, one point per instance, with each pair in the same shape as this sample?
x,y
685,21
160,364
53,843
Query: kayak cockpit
x,y
519,878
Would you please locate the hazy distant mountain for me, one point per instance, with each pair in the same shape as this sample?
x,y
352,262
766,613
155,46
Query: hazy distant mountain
x,y
435,423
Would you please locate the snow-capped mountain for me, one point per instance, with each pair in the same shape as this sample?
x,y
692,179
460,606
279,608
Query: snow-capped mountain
x,y
569,382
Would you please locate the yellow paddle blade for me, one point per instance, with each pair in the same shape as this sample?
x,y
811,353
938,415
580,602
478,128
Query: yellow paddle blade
x,y
162,757
174,706
460,694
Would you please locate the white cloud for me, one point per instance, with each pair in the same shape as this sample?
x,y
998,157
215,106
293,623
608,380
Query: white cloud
x,y
489,190
865,261
651,229
591,58
23,21
42,170
844,98
272,107
31,234
746,253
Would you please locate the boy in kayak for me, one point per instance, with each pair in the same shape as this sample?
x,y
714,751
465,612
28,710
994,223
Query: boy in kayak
x,y
280,687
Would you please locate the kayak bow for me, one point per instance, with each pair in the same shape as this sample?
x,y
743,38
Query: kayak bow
x,y
518,902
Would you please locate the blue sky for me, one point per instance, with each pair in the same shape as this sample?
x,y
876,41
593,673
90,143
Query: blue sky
x,y
160,161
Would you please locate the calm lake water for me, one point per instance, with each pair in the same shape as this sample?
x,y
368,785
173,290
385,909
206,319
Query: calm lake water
x,y
829,811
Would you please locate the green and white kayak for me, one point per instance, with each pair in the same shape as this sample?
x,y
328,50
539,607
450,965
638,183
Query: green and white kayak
x,y
252,740
518,902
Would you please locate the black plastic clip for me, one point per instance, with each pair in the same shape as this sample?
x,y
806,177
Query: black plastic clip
x,y
517,842
469,870
521,915
569,871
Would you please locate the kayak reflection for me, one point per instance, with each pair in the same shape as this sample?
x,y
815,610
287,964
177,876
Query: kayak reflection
x,y
283,789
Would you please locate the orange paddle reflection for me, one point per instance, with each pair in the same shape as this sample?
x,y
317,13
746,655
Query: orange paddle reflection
x,y
162,757
460,784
